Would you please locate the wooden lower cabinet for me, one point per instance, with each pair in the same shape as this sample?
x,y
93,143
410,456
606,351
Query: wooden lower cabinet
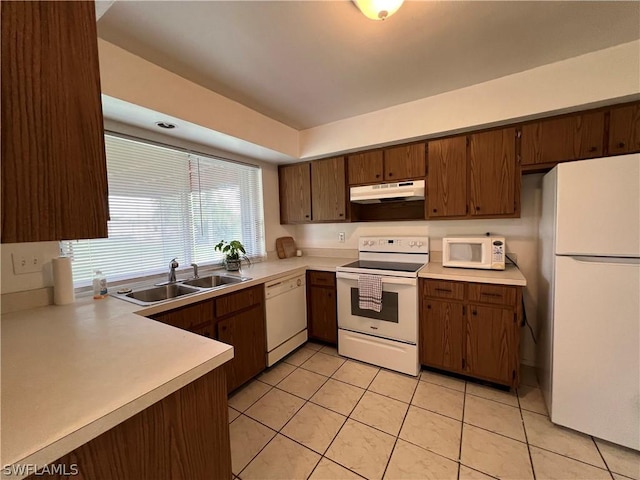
x,y
322,315
237,319
183,436
246,332
240,322
441,332
471,329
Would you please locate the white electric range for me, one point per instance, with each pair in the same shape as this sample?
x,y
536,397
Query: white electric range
x,y
388,338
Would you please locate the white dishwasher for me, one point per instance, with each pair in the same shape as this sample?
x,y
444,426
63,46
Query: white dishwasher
x,y
286,305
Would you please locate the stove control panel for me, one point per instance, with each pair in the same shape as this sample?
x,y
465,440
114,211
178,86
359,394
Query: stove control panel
x,y
394,244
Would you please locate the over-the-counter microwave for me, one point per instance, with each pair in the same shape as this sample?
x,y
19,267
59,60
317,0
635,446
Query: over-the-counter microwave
x,y
474,252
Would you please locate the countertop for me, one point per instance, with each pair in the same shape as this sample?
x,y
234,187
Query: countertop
x,y
70,373
511,275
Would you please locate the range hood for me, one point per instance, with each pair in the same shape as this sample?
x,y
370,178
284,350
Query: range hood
x,y
388,192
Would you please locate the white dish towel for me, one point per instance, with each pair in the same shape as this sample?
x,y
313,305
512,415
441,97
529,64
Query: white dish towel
x,y
370,292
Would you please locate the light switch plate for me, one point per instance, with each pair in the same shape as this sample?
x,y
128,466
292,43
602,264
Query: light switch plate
x,y
26,263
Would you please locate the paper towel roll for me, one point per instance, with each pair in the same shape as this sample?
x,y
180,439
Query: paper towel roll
x,y
62,281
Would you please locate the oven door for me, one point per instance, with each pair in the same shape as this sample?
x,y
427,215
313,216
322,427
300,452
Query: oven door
x,y
398,319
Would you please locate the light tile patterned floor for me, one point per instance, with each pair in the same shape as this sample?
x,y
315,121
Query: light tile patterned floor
x,y
320,416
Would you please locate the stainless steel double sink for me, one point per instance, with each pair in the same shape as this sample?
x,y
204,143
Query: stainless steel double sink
x,y
151,295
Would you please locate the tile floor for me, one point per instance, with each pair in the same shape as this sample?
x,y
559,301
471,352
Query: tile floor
x,y
320,416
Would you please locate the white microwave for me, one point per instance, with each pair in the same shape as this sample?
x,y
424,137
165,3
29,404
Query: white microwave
x,y
483,252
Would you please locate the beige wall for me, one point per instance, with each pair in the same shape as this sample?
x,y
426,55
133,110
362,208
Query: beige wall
x,y
521,235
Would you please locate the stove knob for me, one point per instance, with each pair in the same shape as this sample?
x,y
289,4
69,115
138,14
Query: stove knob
x,y
412,243
419,244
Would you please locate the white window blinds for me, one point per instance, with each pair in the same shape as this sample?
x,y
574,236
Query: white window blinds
x,y
166,203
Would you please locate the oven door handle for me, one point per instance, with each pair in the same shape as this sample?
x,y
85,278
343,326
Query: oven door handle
x,y
385,279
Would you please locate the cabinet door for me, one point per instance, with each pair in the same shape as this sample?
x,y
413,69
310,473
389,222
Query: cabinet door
x,y
365,167
191,317
246,333
447,179
54,176
295,193
491,343
328,190
322,314
492,173
566,138
624,129
406,162
441,334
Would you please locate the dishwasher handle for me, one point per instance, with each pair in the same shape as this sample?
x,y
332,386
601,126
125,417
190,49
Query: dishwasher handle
x,y
280,287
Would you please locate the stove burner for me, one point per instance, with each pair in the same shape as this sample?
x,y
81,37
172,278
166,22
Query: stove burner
x,y
386,266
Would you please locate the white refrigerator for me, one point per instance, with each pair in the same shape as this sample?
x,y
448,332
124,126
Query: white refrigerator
x,y
589,344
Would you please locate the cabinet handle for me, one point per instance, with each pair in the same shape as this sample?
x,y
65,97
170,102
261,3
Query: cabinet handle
x,y
499,295
224,329
435,210
477,209
391,174
474,312
428,307
306,216
377,175
442,290
620,144
341,214
593,149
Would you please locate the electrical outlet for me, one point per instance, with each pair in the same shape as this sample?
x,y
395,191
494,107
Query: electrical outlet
x,y
341,237
26,263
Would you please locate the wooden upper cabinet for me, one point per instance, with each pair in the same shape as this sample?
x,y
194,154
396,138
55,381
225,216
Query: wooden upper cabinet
x,y
624,129
54,177
365,167
492,173
562,139
328,190
447,179
405,162
295,193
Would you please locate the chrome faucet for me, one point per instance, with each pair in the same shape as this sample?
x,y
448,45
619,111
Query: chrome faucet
x,y
195,270
172,270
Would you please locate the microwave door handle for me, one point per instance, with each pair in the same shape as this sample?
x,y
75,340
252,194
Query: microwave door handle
x,y
385,280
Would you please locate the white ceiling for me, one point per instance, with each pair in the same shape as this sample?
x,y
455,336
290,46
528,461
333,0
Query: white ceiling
x,y
307,63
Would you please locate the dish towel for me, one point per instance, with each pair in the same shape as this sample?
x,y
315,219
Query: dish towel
x,y
370,292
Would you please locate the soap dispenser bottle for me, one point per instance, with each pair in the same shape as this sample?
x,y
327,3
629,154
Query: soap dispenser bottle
x,y
99,285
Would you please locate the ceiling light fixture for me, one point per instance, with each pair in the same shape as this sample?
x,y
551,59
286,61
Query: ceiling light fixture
x,y
166,125
378,9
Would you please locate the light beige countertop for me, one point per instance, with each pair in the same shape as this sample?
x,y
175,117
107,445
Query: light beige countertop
x,y
511,275
70,373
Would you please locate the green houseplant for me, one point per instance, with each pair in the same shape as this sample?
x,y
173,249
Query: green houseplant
x,y
233,252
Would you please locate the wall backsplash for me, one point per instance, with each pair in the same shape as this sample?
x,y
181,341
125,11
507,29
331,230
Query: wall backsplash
x,y
521,237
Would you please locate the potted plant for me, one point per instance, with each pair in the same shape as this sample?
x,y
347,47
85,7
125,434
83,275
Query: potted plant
x,y
234,253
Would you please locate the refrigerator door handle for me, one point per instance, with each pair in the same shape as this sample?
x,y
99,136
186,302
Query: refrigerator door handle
x,y
607,260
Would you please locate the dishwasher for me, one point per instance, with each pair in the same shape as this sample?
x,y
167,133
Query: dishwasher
x,y
286,306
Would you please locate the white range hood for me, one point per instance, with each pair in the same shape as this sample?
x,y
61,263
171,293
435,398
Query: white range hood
x,y
388,192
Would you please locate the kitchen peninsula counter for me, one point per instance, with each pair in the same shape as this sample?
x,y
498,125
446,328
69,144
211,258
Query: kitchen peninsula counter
x,y
70,373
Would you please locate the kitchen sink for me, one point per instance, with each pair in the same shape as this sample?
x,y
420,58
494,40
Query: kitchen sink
x,y
158,294
213,281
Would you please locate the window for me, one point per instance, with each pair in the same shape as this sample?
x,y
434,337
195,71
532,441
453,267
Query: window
x,y
165,203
